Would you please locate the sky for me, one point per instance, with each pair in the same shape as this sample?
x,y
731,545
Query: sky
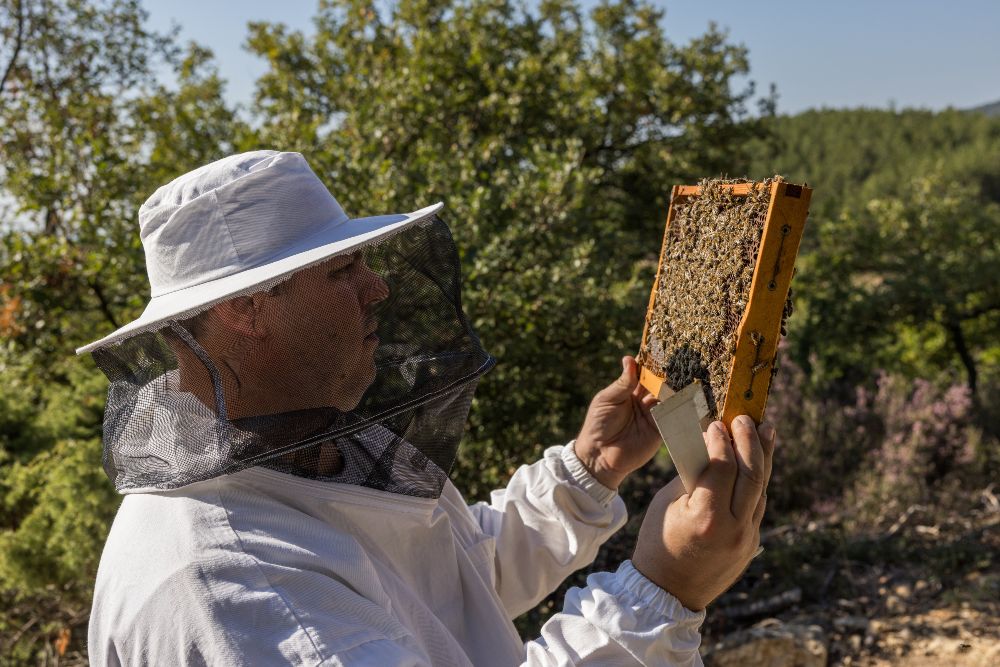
x,y
819,53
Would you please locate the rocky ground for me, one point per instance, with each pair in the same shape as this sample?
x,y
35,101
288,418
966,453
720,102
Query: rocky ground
x,y
923,590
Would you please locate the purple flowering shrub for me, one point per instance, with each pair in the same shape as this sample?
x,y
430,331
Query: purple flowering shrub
x,y
870,447
928,433
822,440
927,430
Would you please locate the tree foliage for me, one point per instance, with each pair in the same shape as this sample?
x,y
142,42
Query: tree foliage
x,y
900,258
855,155
918,272
86,133
552,134
552,138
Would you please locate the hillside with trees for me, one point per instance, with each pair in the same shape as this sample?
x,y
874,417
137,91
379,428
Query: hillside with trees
x,y
991,109
554,136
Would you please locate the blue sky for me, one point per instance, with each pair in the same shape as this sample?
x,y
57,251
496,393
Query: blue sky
x,y
833,53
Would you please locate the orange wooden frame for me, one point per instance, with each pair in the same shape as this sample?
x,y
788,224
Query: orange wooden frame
x,y
760,326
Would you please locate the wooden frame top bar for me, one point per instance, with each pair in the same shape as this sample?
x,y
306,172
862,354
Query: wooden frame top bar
x,y
735,188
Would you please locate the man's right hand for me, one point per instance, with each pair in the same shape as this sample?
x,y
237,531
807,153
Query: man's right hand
x,y
695,546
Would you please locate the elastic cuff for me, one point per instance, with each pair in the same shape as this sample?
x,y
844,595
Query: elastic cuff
x,y
655,598
597,491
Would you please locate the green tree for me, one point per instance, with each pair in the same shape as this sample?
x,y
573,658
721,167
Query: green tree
x,y
553,138
907,283
855,155
86,133
860,307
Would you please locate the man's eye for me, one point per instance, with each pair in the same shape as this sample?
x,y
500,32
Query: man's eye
x,y
343,267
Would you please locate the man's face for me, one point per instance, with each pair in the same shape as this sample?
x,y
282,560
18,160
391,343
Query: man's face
x,y
317,341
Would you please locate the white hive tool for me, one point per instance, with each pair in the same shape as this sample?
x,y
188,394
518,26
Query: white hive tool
x,y
681,418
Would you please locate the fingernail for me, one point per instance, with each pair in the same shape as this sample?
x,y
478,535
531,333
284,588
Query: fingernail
x,y
767,432
744,421
624,364
720,427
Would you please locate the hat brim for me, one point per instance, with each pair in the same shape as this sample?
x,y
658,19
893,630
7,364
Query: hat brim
x,y
336,240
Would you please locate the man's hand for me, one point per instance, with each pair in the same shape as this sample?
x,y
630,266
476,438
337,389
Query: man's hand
x,y
618,434
696,546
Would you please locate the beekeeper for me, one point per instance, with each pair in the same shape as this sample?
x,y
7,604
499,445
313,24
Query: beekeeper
x,y
282,419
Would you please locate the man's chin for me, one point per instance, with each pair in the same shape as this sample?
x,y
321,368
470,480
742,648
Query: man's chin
x,y
348,399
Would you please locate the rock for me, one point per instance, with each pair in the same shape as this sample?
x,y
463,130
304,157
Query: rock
x,y
851,623
894,605
772,644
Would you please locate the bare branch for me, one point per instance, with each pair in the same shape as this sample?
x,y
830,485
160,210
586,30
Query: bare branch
x,y
17,44
103,302
763,606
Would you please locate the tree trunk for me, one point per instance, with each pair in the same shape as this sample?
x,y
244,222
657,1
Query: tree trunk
x,y
954,327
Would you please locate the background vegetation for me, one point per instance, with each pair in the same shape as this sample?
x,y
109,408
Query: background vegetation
x,y
553,137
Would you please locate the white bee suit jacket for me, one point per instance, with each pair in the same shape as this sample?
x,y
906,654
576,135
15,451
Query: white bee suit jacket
x,y
261,568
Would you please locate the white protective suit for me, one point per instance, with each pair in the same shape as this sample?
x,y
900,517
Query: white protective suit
x,y
265,568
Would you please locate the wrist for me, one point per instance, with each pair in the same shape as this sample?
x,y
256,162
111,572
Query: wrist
x,y
590,457
657,597
660,576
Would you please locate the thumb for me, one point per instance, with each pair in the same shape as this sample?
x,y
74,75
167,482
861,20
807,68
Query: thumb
x,y
626,382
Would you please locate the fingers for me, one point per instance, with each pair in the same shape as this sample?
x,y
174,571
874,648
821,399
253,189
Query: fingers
x,y
715,486
768,437
628,384
758,512
751,464
630,373
640,390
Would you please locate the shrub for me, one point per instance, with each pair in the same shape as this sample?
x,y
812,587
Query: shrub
x,y
875,445
928,434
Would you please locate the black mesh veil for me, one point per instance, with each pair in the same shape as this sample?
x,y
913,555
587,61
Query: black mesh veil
x,y
359,369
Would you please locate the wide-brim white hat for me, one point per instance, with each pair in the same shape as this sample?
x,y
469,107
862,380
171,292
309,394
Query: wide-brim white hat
x,y
236,224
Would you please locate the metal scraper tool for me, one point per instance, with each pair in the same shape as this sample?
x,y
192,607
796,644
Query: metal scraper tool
x,y
681,418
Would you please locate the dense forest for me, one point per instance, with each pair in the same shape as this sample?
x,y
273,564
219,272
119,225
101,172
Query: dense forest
x,y
554,138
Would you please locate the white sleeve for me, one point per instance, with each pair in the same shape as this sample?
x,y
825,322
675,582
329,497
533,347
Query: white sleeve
x,y
549,522
620,618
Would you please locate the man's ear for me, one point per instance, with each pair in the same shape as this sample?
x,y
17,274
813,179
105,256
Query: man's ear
x,y
240,316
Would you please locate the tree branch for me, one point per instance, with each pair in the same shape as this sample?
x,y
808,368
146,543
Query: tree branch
x,y
17,44
954,328
103,302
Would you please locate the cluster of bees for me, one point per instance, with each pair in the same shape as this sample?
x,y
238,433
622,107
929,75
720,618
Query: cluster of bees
x,y
704,285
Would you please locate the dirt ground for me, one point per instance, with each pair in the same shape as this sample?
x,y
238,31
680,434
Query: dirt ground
x,y
962,637
923,591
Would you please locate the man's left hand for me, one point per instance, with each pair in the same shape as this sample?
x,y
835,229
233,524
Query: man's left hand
x,y
618,434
